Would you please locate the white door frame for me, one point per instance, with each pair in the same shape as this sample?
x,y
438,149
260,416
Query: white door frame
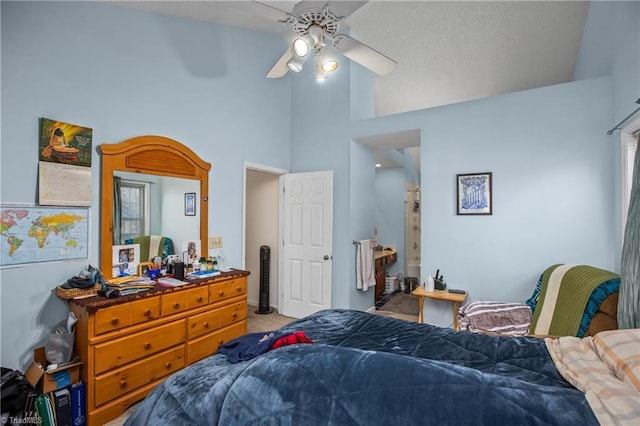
x,y
247,165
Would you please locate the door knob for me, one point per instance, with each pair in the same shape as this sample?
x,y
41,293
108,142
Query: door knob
x,y
326,257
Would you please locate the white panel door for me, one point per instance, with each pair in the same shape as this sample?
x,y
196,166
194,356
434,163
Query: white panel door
x,y
307,243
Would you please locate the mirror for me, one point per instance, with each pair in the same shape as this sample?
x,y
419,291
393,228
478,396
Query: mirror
x,y
172,166
163,207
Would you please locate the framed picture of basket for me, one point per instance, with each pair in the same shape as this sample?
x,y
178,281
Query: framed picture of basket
x,y
474,195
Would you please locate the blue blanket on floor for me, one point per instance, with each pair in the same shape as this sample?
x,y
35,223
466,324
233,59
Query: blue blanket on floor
x,y
366,369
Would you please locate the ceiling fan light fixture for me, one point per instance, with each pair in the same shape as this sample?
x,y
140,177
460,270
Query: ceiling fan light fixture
x,y
295,64
329,65
300,47
325,60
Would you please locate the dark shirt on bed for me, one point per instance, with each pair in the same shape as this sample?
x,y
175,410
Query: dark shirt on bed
x,y
251,345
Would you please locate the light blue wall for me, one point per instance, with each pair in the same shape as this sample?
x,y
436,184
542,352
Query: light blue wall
x,y
611,46
126,73
552,190
362,94
390,190
362,202
320,112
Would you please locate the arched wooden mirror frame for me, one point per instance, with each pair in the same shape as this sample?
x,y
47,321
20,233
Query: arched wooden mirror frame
x,y
154,155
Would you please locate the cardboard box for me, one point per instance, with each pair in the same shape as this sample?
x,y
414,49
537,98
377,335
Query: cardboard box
x,y
49,380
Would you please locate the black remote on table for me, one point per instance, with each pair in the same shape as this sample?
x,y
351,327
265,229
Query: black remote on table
x,y
453,290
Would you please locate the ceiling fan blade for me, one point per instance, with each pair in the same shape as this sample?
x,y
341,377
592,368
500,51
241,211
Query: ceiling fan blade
x,y
280,69
262,10
341,9
364,55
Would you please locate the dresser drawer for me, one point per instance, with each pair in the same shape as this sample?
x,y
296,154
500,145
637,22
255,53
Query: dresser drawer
x,y
165,363
144,310
123,350
112,318
207,322
233,313
227,289
173,303
237,287
208,345
197,297
126,314
120,382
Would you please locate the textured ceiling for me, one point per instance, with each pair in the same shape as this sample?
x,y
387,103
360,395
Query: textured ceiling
x,y
447,51
451,51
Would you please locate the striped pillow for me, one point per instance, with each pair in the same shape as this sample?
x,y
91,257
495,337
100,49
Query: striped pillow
x,y
511,318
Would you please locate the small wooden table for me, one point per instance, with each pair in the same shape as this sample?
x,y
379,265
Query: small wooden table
x,y
454,298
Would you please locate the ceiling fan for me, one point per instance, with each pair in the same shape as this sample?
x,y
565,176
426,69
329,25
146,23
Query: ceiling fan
x,y
315,26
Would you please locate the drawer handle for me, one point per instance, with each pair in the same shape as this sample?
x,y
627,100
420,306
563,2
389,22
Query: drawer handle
x,y
220,341
115,321
239,289
221,293
147,313
235,314
200,299
167,364
147,345
176,305
123,383
206,325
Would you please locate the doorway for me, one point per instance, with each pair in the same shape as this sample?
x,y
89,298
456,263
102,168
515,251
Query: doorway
x,y
262,227
412,230
296,225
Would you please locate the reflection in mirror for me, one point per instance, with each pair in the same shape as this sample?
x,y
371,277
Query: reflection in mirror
x,y
155,205
157,172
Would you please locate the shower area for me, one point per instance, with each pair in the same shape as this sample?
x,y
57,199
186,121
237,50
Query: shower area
x,y
412,230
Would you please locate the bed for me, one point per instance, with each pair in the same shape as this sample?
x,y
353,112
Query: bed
x,y
365,369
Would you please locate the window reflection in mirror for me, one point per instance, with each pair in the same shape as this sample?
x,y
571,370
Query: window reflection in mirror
x,y
154,205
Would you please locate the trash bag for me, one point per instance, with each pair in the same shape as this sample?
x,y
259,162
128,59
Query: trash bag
x,y
15,390
59,347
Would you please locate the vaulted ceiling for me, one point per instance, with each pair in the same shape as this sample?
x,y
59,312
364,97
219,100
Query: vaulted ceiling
x,y
447,51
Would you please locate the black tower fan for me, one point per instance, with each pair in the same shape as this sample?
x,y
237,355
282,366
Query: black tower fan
x,y
265,257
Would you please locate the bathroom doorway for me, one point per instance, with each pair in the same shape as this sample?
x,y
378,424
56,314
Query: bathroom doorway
x,y
413,208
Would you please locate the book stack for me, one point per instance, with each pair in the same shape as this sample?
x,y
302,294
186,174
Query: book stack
x,y
203,274
130,285
62,407
170,282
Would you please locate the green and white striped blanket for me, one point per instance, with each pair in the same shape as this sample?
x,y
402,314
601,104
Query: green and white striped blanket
x,y
564,294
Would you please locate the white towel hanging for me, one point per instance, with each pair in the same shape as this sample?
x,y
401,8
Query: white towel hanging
x,y
365,274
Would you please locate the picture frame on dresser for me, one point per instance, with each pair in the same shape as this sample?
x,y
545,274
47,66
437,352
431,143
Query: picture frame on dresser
x,y
474,194
125,259
144,268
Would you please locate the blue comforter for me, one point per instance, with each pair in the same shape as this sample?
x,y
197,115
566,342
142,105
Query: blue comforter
x,y
365,369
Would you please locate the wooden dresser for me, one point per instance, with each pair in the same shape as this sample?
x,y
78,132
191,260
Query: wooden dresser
x,y
130,344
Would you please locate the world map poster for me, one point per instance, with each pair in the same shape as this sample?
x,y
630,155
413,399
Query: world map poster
x,y
42,234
